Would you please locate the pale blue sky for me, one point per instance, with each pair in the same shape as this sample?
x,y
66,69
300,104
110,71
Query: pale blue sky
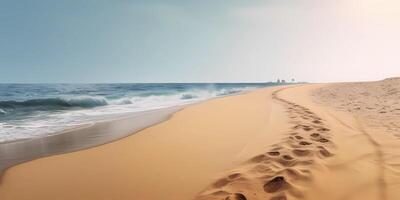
x,y
198,41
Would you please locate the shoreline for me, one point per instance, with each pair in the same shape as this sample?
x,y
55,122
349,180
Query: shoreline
x,y
87,136
46,113
177,153
12,152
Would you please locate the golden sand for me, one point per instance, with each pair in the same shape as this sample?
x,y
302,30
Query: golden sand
x,y
296,142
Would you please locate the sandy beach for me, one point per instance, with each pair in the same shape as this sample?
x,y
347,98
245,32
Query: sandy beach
x,y
15,152
312,141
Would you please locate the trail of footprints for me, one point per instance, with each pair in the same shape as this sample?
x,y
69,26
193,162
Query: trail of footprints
x,y
273,174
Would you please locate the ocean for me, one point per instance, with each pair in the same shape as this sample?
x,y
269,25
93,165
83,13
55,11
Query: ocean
x,y
37,110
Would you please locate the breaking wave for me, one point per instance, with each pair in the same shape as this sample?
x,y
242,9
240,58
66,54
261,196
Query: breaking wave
x,y
55,103
31,110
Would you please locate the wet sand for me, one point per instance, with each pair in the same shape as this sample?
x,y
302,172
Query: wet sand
x,y
16,152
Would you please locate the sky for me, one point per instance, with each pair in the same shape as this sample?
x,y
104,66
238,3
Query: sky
x,y
106,41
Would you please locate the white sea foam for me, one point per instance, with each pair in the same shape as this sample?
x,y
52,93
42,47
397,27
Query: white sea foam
x,y
71,111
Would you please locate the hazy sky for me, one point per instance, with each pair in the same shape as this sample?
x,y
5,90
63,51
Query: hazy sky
x,y
198,41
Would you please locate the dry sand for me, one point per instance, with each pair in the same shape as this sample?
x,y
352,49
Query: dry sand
x,y
277,143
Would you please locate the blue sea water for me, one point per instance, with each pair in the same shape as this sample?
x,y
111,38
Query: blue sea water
x,y
34,110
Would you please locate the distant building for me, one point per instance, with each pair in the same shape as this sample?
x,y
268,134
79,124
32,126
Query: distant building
x,y
278,81
283,81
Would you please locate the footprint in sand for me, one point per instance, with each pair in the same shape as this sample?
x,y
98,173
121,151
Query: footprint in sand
x,y
301,152
315,135
304,143
234,176
274,153
276,184
236,196
324,152
287,157
307,128
317,122
323,140
279,198
298,137
324,129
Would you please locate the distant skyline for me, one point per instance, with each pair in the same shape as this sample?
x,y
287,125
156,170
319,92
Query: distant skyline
x,y
101,41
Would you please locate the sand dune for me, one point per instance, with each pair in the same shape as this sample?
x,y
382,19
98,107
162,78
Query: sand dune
x,y
313,142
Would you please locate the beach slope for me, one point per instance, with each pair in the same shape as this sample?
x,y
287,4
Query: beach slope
x,y
292,142
172,160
